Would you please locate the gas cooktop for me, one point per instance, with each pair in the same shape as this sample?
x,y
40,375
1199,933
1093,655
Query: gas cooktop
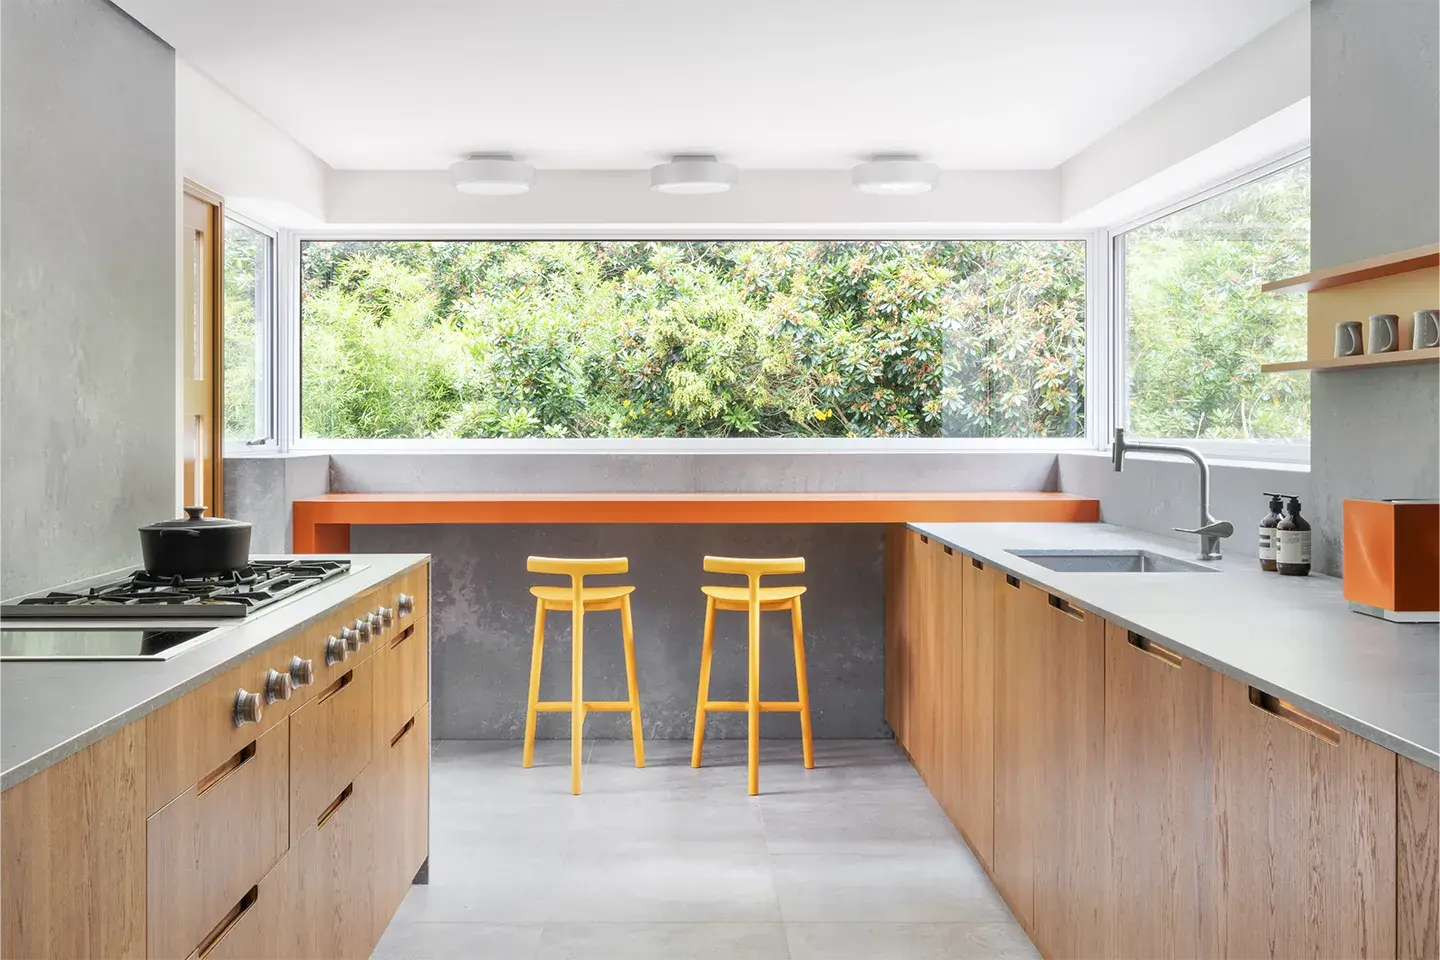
x,y
140,596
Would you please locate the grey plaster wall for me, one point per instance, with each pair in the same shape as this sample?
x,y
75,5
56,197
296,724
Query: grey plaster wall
x,y
87,280
482,621
1375,120
722,472
262,489
1157,494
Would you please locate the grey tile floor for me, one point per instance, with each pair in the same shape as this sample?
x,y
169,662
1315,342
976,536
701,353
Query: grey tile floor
x,y
853,859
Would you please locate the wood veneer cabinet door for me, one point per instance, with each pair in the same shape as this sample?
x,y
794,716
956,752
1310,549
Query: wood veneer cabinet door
x,y
921,680
1072,854
1161,818
949,782
897,611
974,800
402,819
331,877
332,739
72,839
1019,689
1417,879
1306,833
402,679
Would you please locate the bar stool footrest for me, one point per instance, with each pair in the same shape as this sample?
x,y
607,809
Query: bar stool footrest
x,y
590,706
766,706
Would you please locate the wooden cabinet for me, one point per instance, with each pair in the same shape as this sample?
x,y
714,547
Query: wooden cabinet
x,y
1019,682
901,606
1305,849
1158,757
209,845
972,806
402,838
1417,875
332,876
1071,853
402,679
257,925
72,838
331,741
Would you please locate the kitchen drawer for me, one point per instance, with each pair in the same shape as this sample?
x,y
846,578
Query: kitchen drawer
x,y
255,926
414,584
331,740
402,815
331,877
402,679
215,841
189,737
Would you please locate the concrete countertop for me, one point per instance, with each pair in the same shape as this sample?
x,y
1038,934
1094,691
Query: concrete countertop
x,y
1294,637
50,709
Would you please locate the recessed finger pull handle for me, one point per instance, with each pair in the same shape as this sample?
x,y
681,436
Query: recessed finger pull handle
x,y
249,707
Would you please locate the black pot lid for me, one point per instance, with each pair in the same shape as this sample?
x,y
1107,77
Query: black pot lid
x,y
195,519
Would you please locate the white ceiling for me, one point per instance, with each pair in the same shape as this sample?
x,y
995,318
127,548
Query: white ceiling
x,y
969,84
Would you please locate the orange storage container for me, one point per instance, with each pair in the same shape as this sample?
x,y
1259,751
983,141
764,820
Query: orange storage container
x,y
1392,558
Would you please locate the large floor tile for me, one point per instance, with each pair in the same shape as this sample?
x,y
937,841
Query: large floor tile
x,y
905,886
663,941
678,882
843,824
458,941
489,885
909,941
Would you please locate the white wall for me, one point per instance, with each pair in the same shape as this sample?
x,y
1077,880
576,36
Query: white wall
x,y
624,196
1233,101
224,145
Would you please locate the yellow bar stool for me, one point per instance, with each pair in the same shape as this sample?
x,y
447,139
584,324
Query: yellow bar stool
x,y
580,600
753,599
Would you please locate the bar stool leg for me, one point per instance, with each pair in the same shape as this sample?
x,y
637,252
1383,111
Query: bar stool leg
x,y
535,658
577,691
802,686
753,706
627,629
707,645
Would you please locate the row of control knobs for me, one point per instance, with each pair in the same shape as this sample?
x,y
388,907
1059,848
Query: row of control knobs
x,y
250,707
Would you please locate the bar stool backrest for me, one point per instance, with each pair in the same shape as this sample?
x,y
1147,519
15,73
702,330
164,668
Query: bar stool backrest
x,y
754,569
577,570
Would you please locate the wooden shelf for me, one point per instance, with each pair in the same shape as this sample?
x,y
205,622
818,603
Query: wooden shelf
x,y
1399,358
1406,261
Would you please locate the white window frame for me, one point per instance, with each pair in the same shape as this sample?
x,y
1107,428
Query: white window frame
x,y
1272,451
1098,350
268,379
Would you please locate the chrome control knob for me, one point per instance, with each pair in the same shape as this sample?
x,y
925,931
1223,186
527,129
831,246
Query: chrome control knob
x,y
302,672
337,649
405,604
351,638
362,630
373,619
387,616
277,686
248,707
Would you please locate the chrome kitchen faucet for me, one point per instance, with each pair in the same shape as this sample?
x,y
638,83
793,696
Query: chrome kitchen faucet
x,y
1210,530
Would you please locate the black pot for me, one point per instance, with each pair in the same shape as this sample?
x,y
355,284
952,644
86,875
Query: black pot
x,y
195,545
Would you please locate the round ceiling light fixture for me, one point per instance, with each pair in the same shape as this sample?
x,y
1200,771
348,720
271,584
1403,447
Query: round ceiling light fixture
x,y
894,175
492,174
692,173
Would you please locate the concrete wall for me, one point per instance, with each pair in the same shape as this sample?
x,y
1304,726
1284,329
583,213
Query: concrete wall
x,y
261,490
1375,189
1157,494
88,252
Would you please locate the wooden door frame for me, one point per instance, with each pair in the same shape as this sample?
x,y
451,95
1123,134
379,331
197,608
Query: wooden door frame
x,y
189,188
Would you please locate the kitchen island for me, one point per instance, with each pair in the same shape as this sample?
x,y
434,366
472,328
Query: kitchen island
x,y
262,793
1215,763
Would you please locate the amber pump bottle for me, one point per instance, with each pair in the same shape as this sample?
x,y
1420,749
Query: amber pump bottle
x,y
1292,542
1267,531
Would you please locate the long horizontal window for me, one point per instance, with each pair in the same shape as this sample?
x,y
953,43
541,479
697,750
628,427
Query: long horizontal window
x,y
249,288
908,338
1197,326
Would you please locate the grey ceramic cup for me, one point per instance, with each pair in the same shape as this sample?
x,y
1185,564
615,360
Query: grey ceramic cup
x,y
1384,333
1427,329
1349,342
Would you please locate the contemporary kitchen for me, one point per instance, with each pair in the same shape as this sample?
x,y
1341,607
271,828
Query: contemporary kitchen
x,y
844,480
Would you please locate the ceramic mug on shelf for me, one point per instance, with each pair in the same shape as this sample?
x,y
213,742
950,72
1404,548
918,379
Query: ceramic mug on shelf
x,y
1348,339
1427,329
1384,333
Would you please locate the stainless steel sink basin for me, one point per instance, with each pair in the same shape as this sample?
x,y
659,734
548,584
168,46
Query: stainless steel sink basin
x,y
1109,561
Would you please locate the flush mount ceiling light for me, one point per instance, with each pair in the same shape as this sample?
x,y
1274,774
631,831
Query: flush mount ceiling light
x,y
492,174
692,173
894,174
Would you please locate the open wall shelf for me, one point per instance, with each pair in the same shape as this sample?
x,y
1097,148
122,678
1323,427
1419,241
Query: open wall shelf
x,y
1398,358
1406,261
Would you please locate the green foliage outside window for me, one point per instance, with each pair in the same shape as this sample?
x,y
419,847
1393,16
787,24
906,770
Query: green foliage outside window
x,y
1197,325
246,283
693,339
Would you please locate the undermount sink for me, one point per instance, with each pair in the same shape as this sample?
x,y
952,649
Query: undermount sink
x,y
1109,561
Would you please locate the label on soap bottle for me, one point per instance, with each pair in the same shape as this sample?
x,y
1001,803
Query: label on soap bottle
x,y
1292,546
1267,543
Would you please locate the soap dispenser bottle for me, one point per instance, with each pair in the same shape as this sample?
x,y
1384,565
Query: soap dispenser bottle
x,y
1267,532
1292,542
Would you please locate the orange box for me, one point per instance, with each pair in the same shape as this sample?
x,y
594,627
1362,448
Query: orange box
x,y
1392,555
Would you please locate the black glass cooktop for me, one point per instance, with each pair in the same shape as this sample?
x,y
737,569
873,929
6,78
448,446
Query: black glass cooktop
x,y
105,644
